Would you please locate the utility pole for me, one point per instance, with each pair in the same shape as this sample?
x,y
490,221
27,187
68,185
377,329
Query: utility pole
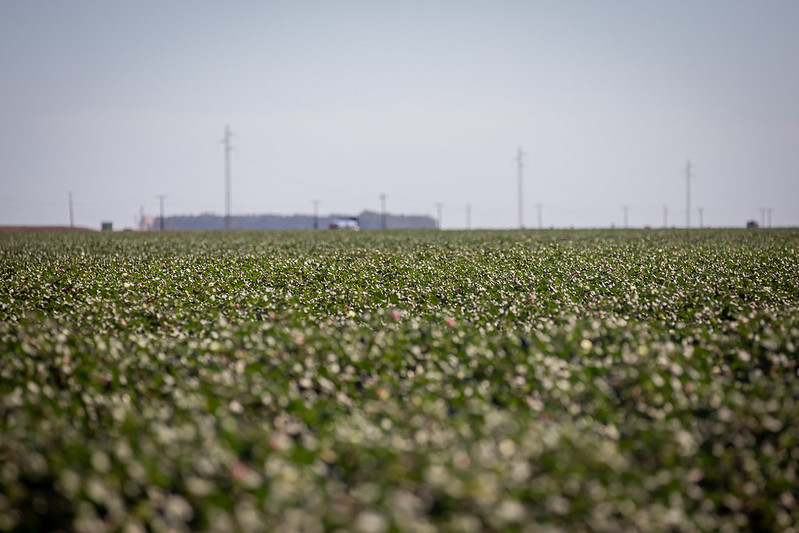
x,y
71,217
665,216
688,194
540,216
161,197
228,148
701,219
520,170
438,211
468,216
316,214
625,216
383,211
765,217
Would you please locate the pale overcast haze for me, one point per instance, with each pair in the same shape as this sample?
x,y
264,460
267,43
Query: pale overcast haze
x,y
426,102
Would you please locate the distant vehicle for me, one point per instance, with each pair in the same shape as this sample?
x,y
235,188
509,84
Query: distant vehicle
x,y
346,223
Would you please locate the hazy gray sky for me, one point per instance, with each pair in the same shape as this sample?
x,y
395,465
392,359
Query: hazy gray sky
x,y
426,102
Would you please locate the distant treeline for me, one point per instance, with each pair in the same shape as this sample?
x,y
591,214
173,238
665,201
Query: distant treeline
x,y
367,220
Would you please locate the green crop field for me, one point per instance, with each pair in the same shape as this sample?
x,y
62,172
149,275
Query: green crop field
x,y
400,381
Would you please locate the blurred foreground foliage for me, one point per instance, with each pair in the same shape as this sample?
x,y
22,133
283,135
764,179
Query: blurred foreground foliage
x,y
400,381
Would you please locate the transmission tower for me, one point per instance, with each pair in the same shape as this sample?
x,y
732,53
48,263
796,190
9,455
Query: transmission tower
x,y
161,222
228,148
688,194
520,169
520,172
71,217
382,211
